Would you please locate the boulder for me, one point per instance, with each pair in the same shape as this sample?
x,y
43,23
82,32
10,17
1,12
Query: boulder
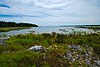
x,y
37,48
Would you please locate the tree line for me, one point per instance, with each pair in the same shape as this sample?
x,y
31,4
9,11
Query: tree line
x,y
14,24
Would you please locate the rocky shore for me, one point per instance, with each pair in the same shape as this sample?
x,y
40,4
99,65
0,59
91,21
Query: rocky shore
x,y
3,39
82,54
75,54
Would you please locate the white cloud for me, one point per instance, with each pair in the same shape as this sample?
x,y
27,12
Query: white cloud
x,y
54,11
51,3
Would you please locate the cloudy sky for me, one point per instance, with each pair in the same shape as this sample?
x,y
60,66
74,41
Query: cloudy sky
x,y
51,12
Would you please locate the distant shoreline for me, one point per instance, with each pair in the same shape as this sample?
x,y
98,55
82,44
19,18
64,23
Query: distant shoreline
x,y
95,27
8,26
6,29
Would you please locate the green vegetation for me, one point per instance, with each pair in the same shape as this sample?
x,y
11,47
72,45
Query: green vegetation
x,y
14,24
6,29
16,52
8,26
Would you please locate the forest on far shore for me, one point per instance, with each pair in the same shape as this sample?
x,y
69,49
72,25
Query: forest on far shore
x,y
14,24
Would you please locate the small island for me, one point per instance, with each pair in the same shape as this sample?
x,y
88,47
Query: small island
x,y
8,26
94,27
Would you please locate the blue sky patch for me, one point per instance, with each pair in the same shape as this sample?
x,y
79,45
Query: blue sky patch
x,y
19,16
3,5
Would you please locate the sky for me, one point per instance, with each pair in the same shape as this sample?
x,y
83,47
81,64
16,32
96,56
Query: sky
x,y
51,12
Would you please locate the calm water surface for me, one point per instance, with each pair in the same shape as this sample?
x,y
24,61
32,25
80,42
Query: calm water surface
x,y
48,29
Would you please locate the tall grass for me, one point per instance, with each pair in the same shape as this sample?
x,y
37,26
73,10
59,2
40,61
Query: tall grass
x,y
16,52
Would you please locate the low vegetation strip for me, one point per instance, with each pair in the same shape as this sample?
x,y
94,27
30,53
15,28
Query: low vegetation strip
x,y
6,29
60,50
95,27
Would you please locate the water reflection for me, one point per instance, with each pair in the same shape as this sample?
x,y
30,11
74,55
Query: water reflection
x,y
49,29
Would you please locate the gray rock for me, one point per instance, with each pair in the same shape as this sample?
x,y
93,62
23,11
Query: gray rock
x,y
98,62
3,39
87,61
70,57
37,48
74,46
73,60
2,42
